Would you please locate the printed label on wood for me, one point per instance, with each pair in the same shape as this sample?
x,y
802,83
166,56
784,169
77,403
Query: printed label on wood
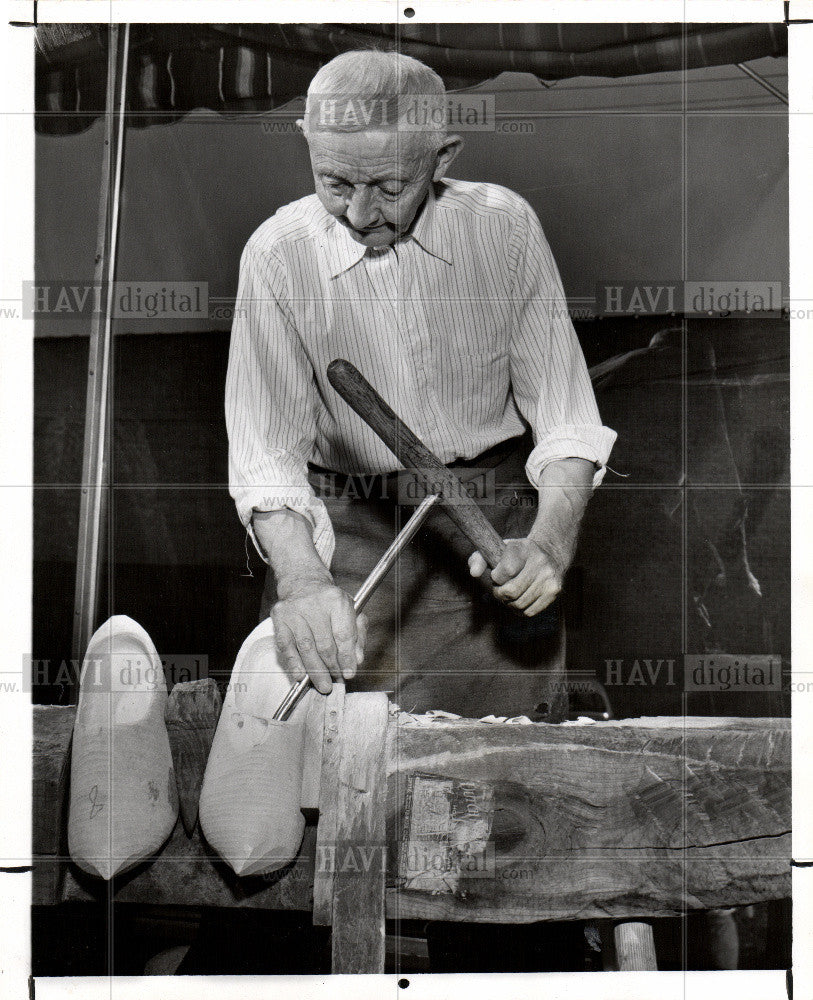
x,y
446,833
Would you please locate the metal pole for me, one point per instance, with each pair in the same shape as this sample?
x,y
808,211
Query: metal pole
x,y
96,455
763,82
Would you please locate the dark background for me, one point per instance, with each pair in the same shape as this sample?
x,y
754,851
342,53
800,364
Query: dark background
x,y
177,559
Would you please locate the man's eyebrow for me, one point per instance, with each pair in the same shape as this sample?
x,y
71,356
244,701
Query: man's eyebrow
x,y
328,176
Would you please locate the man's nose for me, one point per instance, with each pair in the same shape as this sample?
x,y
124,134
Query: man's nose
x,y
361,210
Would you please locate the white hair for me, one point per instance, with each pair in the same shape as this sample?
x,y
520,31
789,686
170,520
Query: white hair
x,y
368,90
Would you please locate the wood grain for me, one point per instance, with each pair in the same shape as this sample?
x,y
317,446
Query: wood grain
x,y
328,806
610,819
191,715
635,946
312,758
358,895
52,729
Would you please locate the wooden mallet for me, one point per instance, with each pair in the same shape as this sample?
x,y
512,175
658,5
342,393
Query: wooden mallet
x,y
413,454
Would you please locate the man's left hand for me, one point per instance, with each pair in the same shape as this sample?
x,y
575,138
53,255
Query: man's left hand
x,y
526,578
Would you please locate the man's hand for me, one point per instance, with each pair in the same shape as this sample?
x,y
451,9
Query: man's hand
x,y
532,570
318,633
315,624
526,578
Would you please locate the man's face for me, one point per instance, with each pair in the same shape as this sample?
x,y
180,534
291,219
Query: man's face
x,y
373,182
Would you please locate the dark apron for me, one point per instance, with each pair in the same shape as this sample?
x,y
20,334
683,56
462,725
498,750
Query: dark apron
x,y
437,637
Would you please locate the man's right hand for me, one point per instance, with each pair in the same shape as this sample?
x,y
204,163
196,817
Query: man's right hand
x,y
316,627
318,632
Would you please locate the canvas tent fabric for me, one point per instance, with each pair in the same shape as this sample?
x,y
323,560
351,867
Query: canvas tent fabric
x,y
174,69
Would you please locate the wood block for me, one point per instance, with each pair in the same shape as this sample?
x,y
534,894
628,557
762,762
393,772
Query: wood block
x,y
641,817
312,760
188,874
191,715
53,726
52,729
358,894
635,946
328,805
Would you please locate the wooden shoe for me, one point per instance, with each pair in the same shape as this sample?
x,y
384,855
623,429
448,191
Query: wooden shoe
x,y
250,801
123,799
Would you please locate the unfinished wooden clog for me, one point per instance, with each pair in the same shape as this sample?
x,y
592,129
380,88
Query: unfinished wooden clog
x,y
250,801
123,799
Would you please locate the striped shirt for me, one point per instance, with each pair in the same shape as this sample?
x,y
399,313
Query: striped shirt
x,y
462,326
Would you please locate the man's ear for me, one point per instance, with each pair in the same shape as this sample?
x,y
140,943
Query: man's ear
x,y
446,155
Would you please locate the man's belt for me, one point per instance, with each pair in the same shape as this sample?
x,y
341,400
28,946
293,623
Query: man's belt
x,y
390,485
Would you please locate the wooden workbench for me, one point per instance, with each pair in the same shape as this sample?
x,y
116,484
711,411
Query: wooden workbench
x,y
631,819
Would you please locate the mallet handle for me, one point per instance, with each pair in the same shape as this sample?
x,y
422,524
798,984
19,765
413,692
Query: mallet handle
x,y
413,453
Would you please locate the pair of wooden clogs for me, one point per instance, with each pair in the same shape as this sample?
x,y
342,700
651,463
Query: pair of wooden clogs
x,y
123,796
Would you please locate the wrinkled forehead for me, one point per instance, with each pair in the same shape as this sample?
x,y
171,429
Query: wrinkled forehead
x,y
367,154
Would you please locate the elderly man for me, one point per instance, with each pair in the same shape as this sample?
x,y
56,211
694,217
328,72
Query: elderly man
x,y
445,295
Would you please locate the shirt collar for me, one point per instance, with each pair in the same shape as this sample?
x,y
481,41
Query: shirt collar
x,y
343,252
426,232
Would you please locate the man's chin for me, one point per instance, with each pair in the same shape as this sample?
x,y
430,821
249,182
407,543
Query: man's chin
x,y
383,236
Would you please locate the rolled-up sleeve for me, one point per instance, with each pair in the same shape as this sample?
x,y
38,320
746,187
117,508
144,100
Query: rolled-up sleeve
x,y
270,403
549,377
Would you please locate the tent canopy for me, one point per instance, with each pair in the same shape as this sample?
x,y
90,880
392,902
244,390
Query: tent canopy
x,y
176,68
